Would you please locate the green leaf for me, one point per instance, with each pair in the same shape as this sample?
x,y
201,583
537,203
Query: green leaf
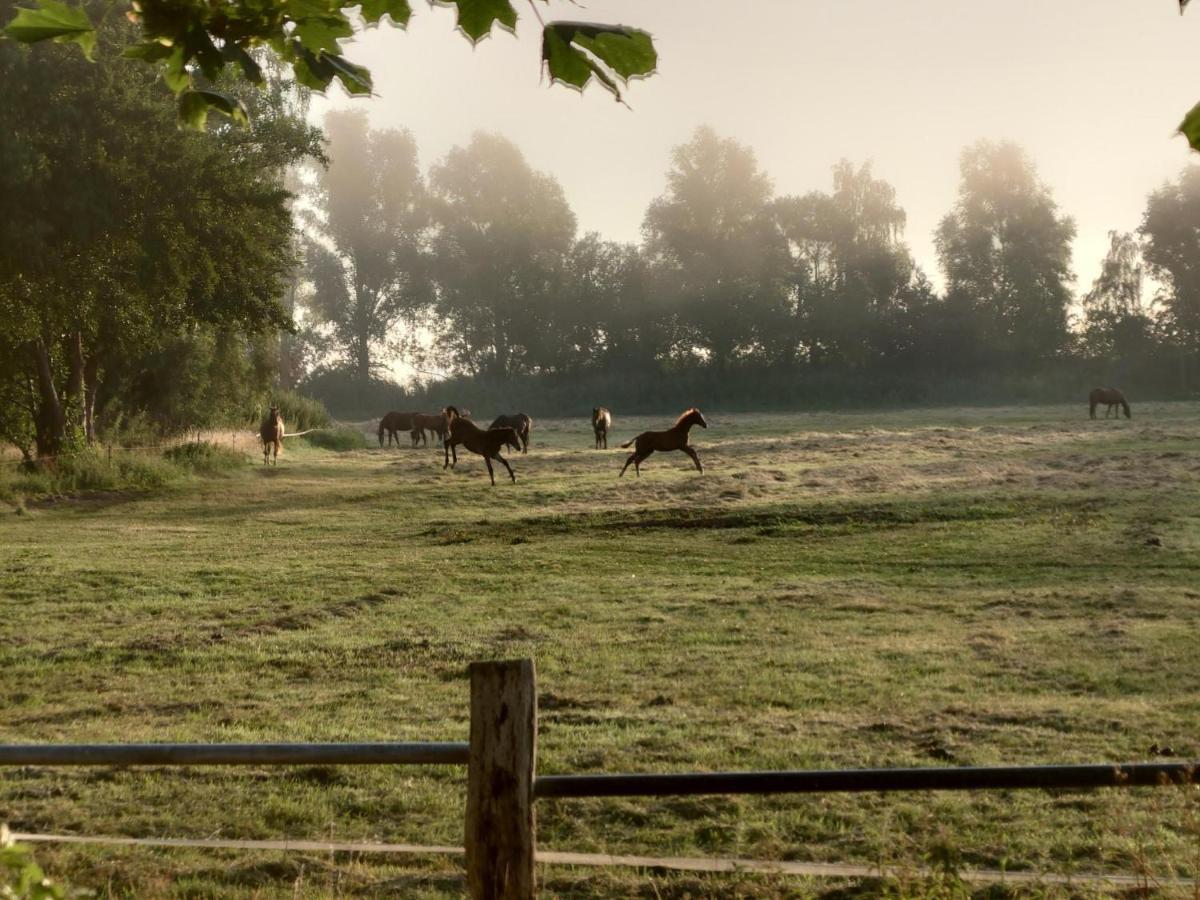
x,y
476,17
374,10
355,79
323,32
148,51
612,52
1190,127
251,69
194,107
55,21
175,72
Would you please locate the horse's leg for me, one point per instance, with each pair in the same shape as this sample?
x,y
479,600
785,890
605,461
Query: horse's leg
x,y
511,474
690,451
446,453
632,458
491,471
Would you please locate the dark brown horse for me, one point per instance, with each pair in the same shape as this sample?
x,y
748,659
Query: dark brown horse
x,y
1112,398
271,432
486,443
674,438
518,422
394,423
438,423
601,423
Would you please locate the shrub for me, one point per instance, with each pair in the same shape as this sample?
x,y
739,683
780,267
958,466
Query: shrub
x,y
205,458
299,412
340,439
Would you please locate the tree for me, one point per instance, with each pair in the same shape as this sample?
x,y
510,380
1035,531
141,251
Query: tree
x,y
713,231
369,265
1006,254
502,232
850,269
193,43
117,229
1116,322
1171,229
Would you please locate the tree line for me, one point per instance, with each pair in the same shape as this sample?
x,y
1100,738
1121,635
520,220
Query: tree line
x,y
476,268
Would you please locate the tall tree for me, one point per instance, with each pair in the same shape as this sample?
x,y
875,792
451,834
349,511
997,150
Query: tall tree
x,y
503,230
851,270
1116,320
1171,229
369,265
713,231
1006,253
116,228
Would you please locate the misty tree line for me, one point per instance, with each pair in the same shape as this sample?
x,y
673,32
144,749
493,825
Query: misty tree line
x,y
476,267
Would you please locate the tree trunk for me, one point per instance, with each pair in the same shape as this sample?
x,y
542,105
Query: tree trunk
x,y
91,382
50,420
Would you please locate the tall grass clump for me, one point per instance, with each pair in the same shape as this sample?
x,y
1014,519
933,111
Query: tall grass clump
x,y
340,439
205,458
299,412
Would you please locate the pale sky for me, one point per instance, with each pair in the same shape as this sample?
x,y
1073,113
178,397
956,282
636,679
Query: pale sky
x,y
1093,90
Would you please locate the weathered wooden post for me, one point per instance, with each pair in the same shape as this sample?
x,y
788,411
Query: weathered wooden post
x,y
501,830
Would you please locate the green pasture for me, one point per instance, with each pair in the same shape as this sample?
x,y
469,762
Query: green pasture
x,y
949,587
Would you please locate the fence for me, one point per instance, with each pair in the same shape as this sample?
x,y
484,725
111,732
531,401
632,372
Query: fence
x,y
503,787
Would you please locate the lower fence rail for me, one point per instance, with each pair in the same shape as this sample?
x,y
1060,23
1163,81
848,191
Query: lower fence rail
x,y
502,785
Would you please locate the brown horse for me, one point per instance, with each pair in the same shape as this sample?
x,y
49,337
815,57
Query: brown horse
x,y
486,443
1112,398
438,423
601,423
271,432
518,422
674,438
394,423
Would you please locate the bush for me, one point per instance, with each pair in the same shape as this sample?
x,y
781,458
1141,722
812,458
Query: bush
x,y
205,458
300,413
340,439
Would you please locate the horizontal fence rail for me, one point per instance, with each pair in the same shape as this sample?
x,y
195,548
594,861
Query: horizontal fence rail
x,y
866,780
233,754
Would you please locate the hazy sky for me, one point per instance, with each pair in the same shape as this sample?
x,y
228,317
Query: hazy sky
x,y
1091,88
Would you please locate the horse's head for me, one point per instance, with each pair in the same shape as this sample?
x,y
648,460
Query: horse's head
x,y
697,418
512,439
451,412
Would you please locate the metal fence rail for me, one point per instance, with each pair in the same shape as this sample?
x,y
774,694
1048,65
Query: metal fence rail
x,y
864,780
233,754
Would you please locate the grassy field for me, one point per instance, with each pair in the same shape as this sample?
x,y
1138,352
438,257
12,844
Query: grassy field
x,y
965,587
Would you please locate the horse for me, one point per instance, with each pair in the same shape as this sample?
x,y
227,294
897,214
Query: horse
x,y
486,443
674,438
1111,397
520,423
394,423
422,422
271,432
601,422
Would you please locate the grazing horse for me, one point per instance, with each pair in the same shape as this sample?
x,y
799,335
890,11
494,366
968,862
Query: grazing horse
x,y
1111,397
520,423
486,443
601,422
271,432
674,438
394,423
438,423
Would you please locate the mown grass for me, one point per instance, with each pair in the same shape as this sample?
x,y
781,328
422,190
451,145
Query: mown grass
x,y
945,587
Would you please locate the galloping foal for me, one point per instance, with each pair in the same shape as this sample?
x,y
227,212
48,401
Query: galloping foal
x,y
271,433
486,443
601,423
518,422
674,438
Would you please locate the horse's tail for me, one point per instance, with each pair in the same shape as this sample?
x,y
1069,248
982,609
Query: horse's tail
x,y
381,431
628,444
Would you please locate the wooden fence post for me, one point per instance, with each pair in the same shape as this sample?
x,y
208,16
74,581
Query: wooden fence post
x,y
501,830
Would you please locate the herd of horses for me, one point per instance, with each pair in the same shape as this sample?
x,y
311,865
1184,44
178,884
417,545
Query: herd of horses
x,y
454,428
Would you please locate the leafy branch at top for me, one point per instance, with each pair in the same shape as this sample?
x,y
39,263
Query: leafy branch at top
x,y
191,38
